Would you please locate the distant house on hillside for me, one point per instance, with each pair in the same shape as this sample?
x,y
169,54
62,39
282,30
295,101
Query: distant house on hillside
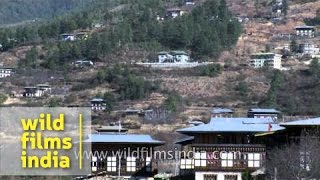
x,y
74,36
68,37
82,63
263,113
305,31
173,57
265,60
98,104
306,48
221,112
36,91
175,12
6,72
189,2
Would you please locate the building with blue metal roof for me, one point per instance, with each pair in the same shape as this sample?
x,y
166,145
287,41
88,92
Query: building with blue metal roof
x,y
128,156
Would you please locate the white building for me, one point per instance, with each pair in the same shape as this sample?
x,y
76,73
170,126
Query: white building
x,y
37,91
307,48
265,59
173,57
175,12
98,104
68,37
164,57
305,31
6,72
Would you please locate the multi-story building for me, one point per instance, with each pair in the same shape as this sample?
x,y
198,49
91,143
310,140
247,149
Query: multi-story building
x,y
224,148
305,31
310,49
98,104
6,72
265,60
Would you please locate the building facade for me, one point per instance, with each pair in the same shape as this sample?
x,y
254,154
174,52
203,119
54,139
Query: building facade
x,y
263,113
224,148
305,31
98,104
265,60
6,72
129,156
309,49
173,57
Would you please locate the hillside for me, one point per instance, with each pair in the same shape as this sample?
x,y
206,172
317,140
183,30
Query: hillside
x,y
208,32
16,11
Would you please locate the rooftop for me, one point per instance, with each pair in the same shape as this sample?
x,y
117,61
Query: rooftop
x,y
254,125
97,100
111,128
221,110
304,27
306,122
122,138
260,110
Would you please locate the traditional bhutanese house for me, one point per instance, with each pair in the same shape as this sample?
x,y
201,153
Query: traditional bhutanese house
x,y
224,148
30,92
180,56
98,104
295,128
129,156
37,91
6,72
305,31
221,112
301,157
263,113
44,88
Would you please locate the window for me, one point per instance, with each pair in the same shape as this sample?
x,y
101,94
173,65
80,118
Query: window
x,y
230,177
253,160
131,164
148,164
200,159
305,160
186,164
227,159
112,164
94,164
210,177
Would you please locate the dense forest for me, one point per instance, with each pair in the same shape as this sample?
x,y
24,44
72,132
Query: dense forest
x,y
205,32
15,11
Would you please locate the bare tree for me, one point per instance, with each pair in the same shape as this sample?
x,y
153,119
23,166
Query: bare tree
x,y
299,159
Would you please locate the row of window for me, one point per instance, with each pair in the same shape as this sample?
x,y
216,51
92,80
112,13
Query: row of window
x,y
112,165
227,160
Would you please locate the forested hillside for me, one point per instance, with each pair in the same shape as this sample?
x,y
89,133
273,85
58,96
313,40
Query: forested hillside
x,y
13,11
